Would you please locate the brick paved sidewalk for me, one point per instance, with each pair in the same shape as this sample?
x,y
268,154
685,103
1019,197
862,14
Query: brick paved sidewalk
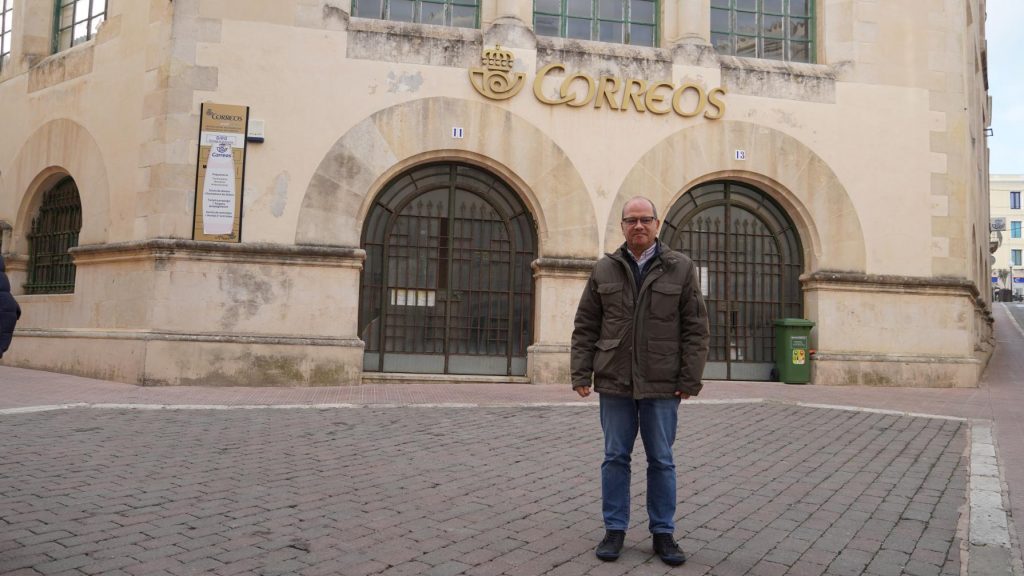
x,y
765,489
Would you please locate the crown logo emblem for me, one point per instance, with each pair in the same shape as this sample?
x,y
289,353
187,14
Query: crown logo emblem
x,y
495,80
498,59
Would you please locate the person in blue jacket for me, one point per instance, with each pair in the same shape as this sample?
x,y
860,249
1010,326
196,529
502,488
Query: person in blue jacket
x,y
9,311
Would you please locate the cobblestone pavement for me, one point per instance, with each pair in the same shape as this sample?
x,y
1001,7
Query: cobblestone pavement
x,y
765,489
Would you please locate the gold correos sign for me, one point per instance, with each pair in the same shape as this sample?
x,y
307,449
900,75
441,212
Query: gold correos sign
x,y
496,81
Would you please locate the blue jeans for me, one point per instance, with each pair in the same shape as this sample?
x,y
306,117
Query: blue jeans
x,y
656,420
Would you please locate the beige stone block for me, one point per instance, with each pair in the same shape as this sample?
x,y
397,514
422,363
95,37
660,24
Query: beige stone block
x,y
78,62
555,306
550,365
203,363
940,247
892,372
939,205
120,360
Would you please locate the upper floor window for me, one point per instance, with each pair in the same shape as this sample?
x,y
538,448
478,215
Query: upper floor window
x,y
459,13
623,21
1015,229
54,231
1015,258
773,29
6,27
77,21
1015,200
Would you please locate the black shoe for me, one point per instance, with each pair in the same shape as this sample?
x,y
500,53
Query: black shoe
x,y
666,548
611,546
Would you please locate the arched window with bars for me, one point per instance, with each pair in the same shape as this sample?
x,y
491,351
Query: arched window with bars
x,y
54,232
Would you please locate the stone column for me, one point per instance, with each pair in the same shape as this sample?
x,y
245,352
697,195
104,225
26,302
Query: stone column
x,y
559,284
691,41
512,26
693,21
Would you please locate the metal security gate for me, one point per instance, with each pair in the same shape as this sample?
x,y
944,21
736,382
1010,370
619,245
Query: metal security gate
x,y
749,258
447,286
51,270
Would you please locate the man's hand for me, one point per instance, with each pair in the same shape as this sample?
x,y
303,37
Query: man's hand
x,y
682,395
583,391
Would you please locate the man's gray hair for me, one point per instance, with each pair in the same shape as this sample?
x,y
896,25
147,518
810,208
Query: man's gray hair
x,y
654,209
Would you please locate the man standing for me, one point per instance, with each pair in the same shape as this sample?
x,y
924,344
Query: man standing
x,y
640,339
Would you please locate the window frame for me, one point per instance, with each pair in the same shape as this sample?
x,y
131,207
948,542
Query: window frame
x,y
733,9
1015,200
58,29
1015,257
1015,229
6,30
596,19
385,9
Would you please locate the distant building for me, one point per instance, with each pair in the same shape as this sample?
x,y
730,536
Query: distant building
x,y
426,184
1008,266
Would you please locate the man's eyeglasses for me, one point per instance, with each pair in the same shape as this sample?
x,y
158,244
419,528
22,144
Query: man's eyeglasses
x,y
646,221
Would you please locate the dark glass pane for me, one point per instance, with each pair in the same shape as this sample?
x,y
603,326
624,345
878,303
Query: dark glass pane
x,y
582,8
799,52
773,49
719,3
546,25
610,10
799,8
401,10
720,21
773,26
641,11
548,6
611,32
746,46
746,23
464,16
749,5
577,28
722,43
641,35
369,9
771,6
431,13
798,28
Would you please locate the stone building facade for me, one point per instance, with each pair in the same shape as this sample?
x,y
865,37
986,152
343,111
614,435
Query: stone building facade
x,y
427,184
1008,265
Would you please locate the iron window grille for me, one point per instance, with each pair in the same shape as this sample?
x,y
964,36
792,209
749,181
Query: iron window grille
x,y
51,269
456,13
771,29
6,30
622,21
77,21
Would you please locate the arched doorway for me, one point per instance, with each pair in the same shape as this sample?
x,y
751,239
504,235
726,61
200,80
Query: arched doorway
x,y
447,287
55,230
750,259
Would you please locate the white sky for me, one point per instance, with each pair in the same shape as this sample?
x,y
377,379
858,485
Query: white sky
x,y
1005,31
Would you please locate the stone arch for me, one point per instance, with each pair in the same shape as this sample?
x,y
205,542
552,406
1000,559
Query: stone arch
x,y
391,140
61,148
782,167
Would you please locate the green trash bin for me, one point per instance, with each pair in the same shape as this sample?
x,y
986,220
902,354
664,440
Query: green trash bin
x,y
792,350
